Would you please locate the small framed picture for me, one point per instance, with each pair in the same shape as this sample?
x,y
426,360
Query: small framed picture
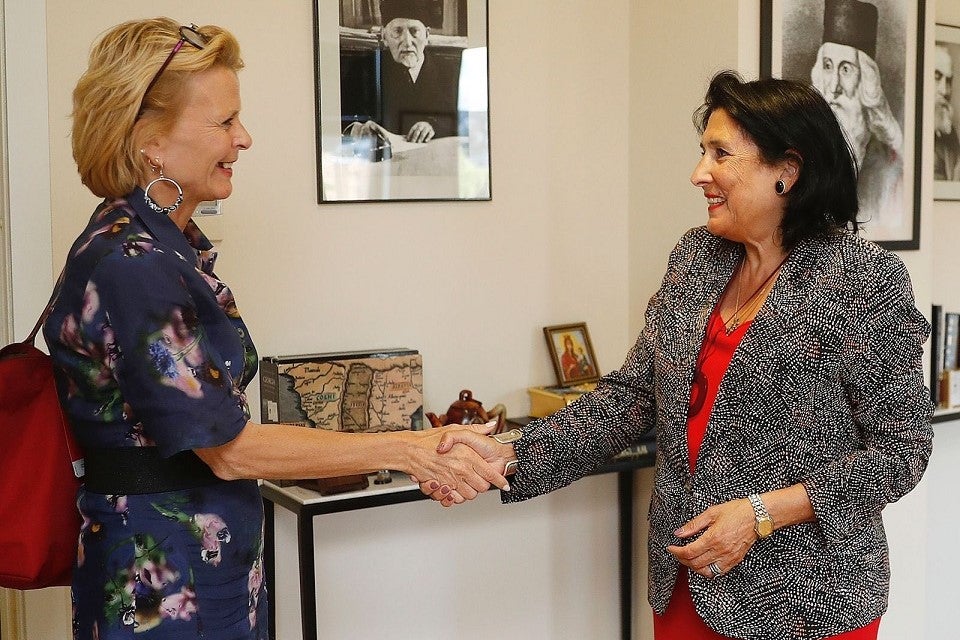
x,y
572,353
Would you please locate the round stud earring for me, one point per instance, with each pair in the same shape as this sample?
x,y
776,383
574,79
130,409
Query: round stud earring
x,y
779,187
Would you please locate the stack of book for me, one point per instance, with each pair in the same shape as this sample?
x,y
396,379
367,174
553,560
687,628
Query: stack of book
x,y
944,353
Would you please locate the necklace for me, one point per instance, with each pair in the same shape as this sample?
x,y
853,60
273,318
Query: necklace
x,y
750,304
698,390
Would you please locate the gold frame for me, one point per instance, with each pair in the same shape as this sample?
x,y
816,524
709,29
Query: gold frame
x,y
586,369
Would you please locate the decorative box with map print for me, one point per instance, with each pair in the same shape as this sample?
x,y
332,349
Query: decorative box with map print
x,y
355,391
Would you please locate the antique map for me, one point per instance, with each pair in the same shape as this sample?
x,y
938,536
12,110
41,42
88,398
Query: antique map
x,y
367,394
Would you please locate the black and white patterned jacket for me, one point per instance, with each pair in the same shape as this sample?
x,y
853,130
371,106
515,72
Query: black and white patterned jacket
x,y
826,389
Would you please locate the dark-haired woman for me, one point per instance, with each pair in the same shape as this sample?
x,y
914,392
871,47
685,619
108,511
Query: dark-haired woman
x,y
780,365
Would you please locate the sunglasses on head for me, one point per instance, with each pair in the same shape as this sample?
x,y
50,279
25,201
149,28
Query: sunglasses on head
x,y
189,34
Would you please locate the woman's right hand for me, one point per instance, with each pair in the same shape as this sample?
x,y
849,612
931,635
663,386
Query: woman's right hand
x,y
475,438
461,472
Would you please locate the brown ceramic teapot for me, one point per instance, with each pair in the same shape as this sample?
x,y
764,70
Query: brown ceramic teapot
x,y
467,410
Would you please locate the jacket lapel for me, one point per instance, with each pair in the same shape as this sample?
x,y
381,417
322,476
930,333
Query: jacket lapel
x,y
701,282
773,325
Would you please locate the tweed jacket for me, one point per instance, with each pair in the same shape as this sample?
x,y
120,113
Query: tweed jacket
x,y
826,389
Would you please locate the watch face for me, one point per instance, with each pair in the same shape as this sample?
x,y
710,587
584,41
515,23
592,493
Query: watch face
x,y
764,528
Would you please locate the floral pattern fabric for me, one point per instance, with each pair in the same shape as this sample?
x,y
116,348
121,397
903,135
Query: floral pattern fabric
x,y
150,351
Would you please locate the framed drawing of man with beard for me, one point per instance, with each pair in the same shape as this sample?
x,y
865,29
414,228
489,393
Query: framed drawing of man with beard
x,y
946,114
401,100
866,58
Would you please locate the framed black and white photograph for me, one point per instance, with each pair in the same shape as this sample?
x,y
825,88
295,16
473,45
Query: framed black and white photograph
x,y
946,114
402,100
866,59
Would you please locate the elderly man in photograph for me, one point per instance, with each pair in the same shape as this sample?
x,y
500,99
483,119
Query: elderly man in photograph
x,y
847,76
417,91
946,143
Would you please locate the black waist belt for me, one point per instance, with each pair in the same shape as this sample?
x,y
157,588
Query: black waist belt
x,y
136,470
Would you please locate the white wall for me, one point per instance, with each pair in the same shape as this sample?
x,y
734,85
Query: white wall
x,y
29,176
940,535
674,53
592,146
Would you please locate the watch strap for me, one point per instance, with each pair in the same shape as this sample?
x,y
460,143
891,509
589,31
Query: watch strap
x,y
507,436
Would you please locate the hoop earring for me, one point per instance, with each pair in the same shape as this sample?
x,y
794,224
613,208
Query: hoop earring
x,y
779,187
153,204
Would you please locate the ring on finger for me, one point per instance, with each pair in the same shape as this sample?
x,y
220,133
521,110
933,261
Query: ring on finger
x,y
714,570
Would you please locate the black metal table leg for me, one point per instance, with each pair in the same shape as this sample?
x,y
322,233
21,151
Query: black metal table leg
x,y
308,585
269,566
625,508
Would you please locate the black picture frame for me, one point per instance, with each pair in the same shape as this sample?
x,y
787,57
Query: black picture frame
x,y
946,144
368,112
791,32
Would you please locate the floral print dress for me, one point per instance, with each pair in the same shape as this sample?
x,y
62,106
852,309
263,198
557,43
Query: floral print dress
x,y
150,351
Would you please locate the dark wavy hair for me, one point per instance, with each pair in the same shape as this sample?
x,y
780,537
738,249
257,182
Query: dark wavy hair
x,y
788,119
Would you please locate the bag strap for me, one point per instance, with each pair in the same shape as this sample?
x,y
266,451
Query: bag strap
x,y
31,339
36,328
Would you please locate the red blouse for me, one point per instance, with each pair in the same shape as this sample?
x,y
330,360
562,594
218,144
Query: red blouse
x,y
715,356
680,621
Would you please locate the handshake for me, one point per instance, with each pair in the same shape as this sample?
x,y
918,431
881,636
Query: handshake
x,y
457,463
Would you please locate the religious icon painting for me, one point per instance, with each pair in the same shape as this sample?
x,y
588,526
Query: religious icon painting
x,y
571,353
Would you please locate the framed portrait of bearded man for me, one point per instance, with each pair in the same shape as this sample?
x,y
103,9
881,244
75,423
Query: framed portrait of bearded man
x,y
946,114
866,58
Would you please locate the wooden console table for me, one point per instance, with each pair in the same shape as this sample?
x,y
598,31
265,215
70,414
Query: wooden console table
x,y
306,504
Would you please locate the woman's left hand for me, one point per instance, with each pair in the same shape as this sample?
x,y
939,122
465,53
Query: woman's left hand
x,y
727,536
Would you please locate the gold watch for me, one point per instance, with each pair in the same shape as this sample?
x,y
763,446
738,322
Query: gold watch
x,y
506,438
764,523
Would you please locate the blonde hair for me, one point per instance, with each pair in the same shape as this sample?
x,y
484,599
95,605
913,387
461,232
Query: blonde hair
x,y
107,120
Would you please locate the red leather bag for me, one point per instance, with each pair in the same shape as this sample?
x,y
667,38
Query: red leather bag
x,y
40,463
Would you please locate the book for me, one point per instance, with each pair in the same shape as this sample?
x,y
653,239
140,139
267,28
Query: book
x,y
951,337
950,389
936,352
